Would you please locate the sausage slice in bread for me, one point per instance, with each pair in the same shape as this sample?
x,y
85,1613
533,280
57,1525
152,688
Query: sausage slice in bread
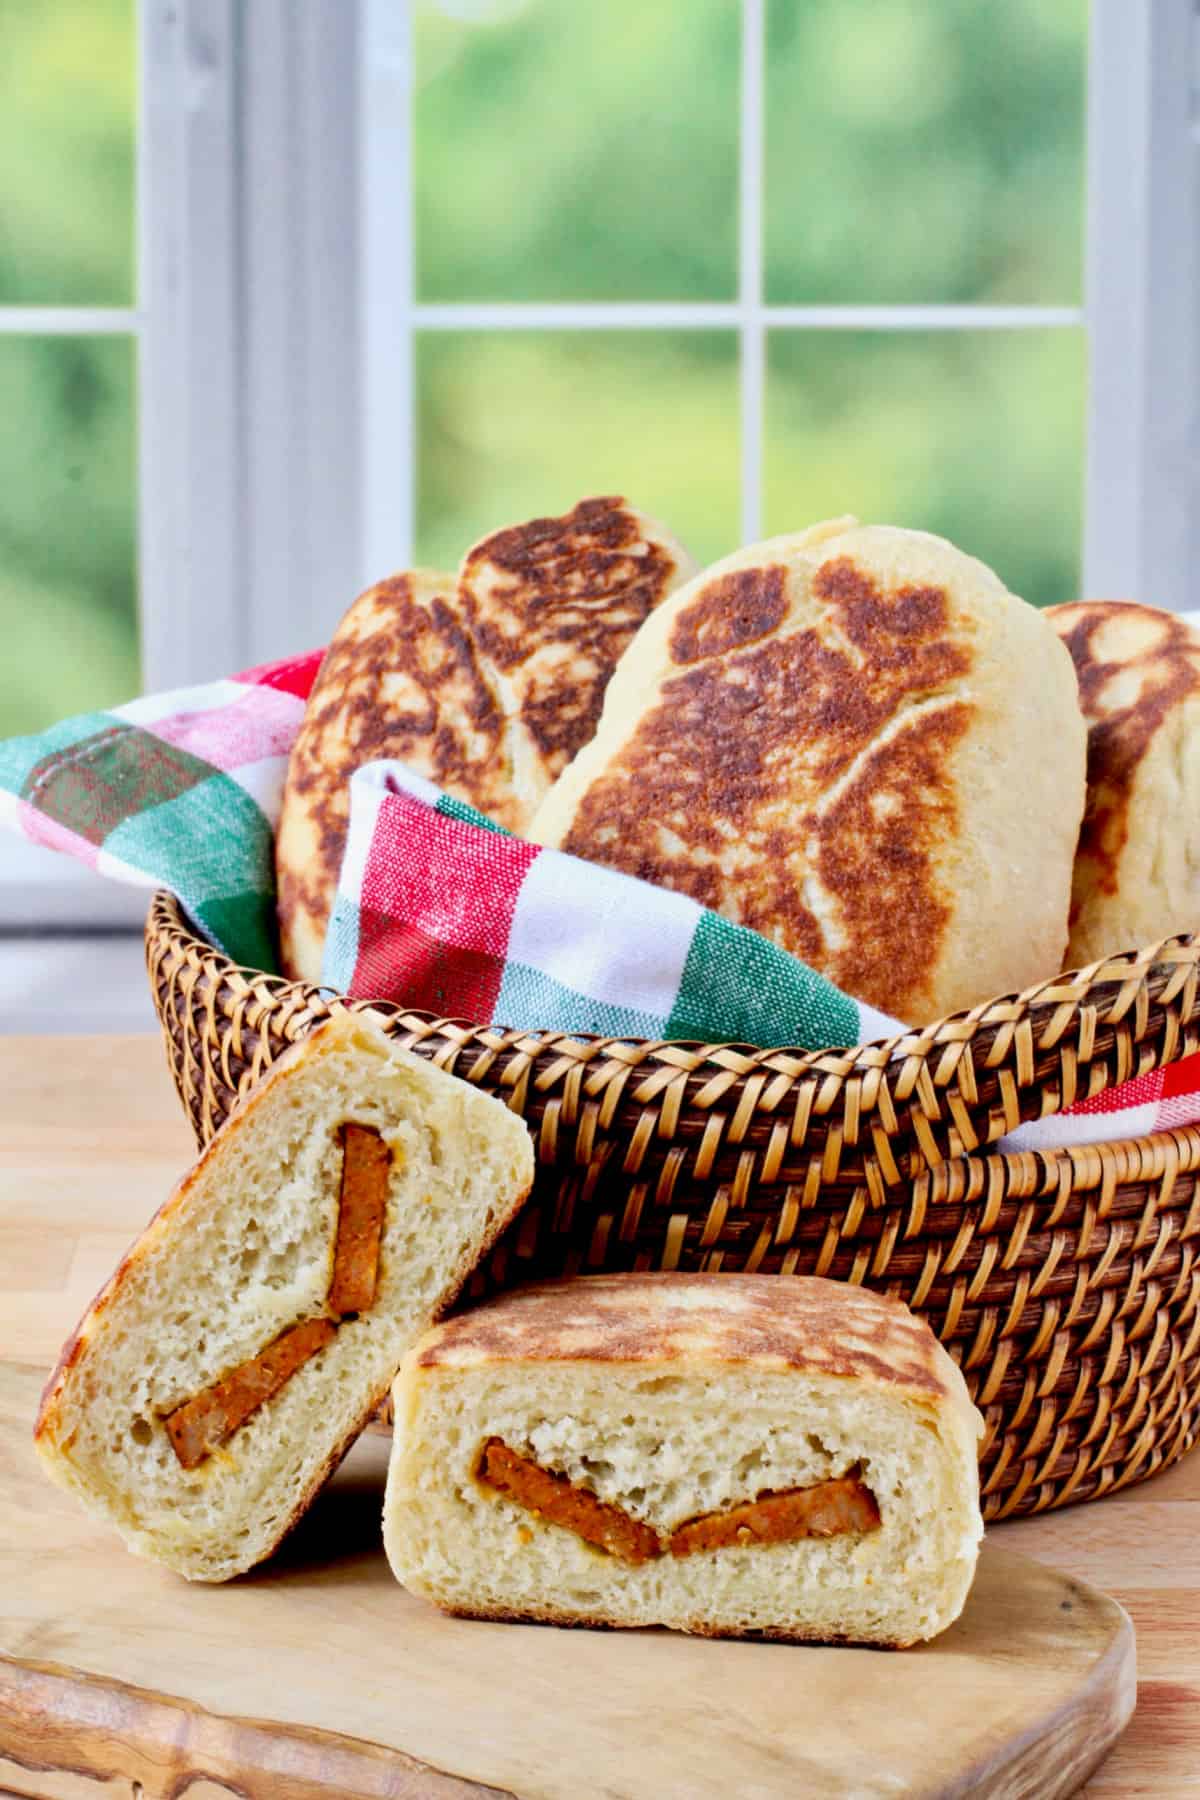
x,y
732,1455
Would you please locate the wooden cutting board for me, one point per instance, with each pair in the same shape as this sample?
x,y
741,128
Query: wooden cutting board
x,y
320,1677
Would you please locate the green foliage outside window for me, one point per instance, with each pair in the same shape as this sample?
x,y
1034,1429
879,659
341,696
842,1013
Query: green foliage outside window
x,y
68,555
916,151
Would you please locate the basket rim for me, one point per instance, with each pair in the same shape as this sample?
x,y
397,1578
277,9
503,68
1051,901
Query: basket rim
x,y
1063,1280
1096,1027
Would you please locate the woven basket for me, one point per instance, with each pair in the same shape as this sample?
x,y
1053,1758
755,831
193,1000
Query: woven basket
x,y
1066,1284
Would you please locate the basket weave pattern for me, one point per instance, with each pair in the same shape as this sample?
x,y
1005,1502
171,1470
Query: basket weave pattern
x,y
1066,1284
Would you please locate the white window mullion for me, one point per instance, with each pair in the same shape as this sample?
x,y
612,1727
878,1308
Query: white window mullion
x,y
298,284
938,317
752,178
724,315
1143,269
388,380
1170,563
1115,290
250,433
328,83
190,492
70,321
271,289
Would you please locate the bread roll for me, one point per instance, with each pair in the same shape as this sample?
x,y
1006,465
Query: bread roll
x,y
724,1454
255,1325
486,684
400,679
857,742
1137,870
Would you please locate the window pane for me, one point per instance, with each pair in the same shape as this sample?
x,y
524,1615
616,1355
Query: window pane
x,y
925,150
567,151
975,435
67,122
516,424
68,582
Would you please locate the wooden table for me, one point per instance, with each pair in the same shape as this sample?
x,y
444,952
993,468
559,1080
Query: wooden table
x,y
91,1140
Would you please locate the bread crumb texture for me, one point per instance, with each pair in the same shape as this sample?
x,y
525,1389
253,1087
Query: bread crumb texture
x,y
672,1398
242,1253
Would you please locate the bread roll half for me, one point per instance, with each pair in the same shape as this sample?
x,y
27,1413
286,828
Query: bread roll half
x,y
857,742
255,1325
1137,872
724,1454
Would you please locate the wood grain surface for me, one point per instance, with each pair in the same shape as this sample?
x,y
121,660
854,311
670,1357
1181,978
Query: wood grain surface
x,y
319,1676
91,1139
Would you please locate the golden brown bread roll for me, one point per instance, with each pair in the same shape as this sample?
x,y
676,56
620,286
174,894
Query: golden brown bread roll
x,y
1137,870
857,742
486,684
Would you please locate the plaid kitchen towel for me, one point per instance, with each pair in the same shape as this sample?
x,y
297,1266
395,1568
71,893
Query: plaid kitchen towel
x,y
178,790
1155,1102
436,906
441,909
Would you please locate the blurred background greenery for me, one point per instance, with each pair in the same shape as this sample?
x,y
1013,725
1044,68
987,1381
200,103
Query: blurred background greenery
x,y
916,151
68,550
517,423
925,150
977,435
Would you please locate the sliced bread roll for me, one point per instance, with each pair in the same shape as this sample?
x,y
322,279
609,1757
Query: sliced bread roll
x,y
1137,870
486,684
255,1325
857,742
724,1454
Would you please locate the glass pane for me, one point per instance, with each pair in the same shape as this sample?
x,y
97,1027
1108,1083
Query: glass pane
x,y
925,151
515,424
68,577
975,435
566,151
67,122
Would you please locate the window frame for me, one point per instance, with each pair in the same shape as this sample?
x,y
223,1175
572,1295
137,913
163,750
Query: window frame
x,y
389,343
276,321
1142,303
245,321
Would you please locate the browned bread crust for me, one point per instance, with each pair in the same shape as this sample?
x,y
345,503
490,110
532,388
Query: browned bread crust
x,y
693,1628
552,605
401,680
797,1322
487,684
1139,686
815,738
